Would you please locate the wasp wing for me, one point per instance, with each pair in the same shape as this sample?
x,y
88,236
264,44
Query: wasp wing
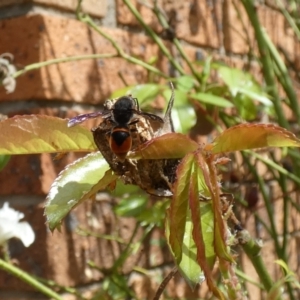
x,y
152,117
81,118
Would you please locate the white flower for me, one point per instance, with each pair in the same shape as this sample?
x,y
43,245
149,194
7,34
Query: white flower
x,y
7,70
11,227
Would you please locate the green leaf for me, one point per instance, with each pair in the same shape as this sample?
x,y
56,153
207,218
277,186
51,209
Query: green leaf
x,y
121,92
276,291
179,206
183,113
206,69
241,82
255,95
212,99
123,190
203,225
30,134
116,287
143,92
170,145
181,97
185,83
246,107
4,159
132,206
251,136
155,214
184,118
188,266
76,183
198,241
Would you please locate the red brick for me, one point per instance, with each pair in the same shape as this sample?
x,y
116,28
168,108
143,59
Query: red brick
x,y
274,23
39,37
193,21
31,174
92,7
63,256
237,29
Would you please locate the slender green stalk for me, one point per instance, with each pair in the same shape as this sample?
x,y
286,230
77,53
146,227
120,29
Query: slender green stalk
x,y
285,233
275,166
126,252
295,155
286,199
121,53
85,232
61,60
61,288
267,203
289,18
9,268
160,16
155,37
283,76
252,249
130,248
247,278
266,61
275,236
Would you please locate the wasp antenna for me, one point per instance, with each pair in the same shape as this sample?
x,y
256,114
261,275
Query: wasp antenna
x,y
171,101
168,117
137,105
168,123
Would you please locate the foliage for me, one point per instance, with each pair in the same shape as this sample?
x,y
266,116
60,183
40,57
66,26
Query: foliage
x,y
197,232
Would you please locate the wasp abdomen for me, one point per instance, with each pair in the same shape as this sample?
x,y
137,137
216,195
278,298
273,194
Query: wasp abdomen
x,y
120,141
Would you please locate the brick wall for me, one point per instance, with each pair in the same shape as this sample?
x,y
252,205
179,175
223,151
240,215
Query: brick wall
x,y
39,30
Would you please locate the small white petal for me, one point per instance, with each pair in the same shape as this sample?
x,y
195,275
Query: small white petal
x,y
8,213
10,226
6,230
24,232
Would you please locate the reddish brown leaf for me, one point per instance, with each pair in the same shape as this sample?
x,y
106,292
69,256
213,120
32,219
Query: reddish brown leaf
x,y
179,205
170,145
210,176
251,136
198,235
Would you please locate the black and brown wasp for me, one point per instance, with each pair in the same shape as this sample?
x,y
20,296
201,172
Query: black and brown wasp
x,y
125,127
121,115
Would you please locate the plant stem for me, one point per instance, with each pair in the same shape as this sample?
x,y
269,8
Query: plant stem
x,y
289,18
121,53
252,249
283,76
247,278
157,11
267,203
49,62
155,37
275,166
164,283
61,288
9,268
265,58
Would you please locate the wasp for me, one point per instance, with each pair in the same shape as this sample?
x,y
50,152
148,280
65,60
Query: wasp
x,y
120,115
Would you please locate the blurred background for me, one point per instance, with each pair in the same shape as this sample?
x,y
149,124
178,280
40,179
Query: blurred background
x,y
231,61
